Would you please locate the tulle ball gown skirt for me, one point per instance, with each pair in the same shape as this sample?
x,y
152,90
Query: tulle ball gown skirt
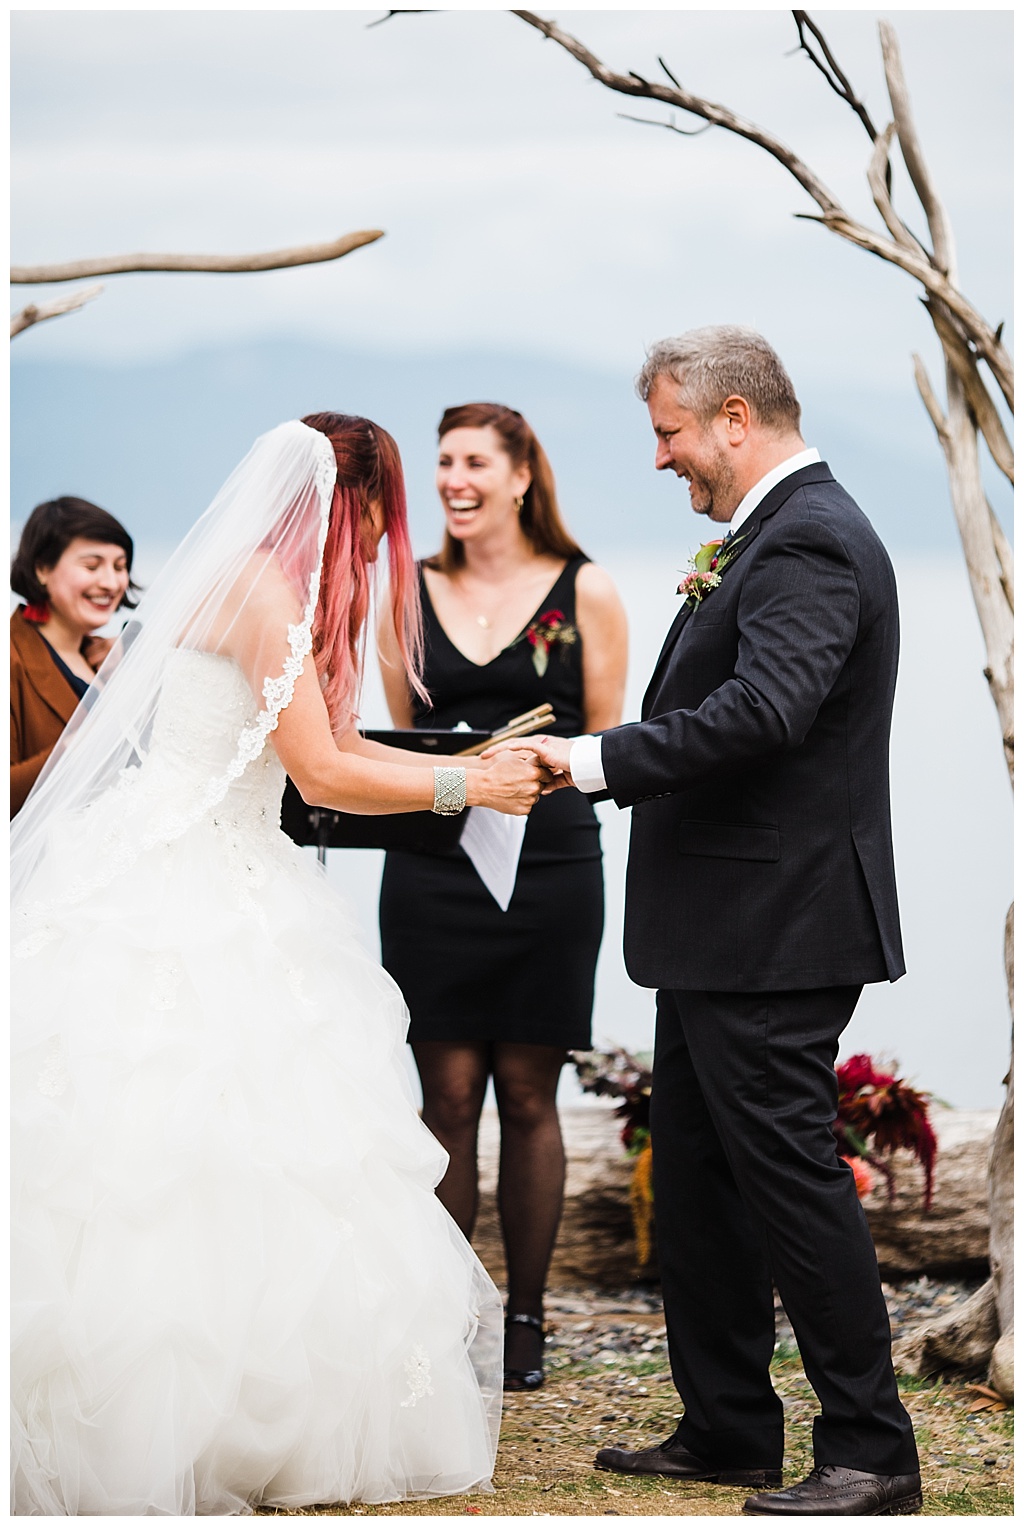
x,y
233,1283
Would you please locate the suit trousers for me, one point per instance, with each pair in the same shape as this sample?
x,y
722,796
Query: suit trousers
x,y
749,1191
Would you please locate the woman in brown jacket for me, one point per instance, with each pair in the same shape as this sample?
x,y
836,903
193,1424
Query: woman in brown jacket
x,y
73,569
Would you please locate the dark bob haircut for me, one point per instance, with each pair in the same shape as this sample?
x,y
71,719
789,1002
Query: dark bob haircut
x,y
49,531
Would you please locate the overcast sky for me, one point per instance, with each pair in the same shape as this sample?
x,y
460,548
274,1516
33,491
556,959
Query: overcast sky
x,y
521,212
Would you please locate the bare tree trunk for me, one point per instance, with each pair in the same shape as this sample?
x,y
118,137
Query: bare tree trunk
x,y
987,1322
1000,1198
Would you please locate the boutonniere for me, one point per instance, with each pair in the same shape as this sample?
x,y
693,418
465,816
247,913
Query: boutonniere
x,y
706,566
548,630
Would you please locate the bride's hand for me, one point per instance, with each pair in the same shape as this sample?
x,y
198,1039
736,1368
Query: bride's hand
x,y
552,753
511,782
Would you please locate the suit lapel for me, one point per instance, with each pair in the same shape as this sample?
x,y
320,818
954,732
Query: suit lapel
x,y
682,615
675,630
745,537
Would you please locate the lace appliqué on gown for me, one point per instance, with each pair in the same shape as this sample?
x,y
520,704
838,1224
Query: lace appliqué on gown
x,y
417,1370
52,1080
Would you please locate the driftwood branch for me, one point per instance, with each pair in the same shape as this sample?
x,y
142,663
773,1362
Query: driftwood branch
x,y
931,402
984,409
827,66
987,554
381,19
880,181
1003,549
1004,554
684,100
937,285
920,176
39,312
669,126
278,259
834,217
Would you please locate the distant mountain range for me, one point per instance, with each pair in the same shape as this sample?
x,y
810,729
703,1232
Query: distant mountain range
x,y
152,442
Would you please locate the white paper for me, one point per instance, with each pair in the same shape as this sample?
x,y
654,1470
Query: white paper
x,y
493,842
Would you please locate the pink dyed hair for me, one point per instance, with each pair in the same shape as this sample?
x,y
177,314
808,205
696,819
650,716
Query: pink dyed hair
x,y
369,471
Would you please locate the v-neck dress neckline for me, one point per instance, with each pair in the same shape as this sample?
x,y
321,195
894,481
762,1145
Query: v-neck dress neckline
x,y
517,637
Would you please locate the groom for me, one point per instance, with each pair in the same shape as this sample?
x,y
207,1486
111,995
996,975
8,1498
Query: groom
x,y
760,898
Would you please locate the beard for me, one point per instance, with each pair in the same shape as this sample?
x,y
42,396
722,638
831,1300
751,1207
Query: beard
x,y
713,486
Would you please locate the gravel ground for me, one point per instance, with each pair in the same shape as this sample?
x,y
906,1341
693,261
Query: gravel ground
x,y
584,1326
609,1384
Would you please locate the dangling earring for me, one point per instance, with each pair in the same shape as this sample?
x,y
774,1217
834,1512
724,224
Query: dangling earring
x,y
519,505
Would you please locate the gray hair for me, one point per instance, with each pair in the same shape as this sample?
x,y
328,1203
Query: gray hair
x,y
710,364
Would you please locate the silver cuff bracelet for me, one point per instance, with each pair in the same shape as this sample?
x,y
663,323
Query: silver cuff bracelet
x,y
449,791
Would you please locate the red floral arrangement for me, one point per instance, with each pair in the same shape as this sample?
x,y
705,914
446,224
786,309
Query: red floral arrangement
x,y
548,630
878,1114
617,1073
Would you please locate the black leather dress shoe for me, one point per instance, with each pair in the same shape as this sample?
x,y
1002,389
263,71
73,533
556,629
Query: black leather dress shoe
x,y
843,1491
672,1460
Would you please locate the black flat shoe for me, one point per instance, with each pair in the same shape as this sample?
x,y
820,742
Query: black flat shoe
x,y
516,1379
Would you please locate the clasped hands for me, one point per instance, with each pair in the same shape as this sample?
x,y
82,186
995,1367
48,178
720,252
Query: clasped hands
x,y
552,753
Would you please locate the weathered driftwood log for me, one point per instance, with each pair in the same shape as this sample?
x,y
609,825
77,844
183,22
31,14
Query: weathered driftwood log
x,y
595,1243
1000,1204
953,1236
963,1338
982,1330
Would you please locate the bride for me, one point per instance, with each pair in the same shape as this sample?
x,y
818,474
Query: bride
x,y
232,1282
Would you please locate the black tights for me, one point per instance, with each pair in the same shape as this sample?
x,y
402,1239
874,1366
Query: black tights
x,y
531,1169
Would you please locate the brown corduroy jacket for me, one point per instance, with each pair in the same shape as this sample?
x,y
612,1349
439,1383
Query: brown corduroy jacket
x,y
42,703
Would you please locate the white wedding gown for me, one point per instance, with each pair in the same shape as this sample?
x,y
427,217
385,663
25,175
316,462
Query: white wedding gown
x,y
232,1281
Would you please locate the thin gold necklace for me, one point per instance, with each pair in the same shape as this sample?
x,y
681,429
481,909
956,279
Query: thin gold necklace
x,y
481,620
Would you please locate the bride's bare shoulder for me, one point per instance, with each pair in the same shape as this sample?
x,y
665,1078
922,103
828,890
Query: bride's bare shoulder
x,y
257,598
263,584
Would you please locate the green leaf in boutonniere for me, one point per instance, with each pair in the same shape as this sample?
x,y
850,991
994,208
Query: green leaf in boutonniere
x,y
705,570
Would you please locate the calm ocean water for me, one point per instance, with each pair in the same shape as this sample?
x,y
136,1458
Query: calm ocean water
x,y
946,1023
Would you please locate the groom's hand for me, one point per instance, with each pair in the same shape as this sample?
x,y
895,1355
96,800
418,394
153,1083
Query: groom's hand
x,y
552,752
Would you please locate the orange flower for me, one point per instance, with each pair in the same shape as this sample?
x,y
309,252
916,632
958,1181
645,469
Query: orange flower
x,y
862,1175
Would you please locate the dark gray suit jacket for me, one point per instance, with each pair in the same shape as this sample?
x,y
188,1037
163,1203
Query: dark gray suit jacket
x,y
761,848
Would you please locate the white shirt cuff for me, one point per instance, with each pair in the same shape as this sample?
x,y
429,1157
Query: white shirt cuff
x,y
585,764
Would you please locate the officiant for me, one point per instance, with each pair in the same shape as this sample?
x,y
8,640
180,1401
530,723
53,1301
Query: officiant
x,y
515,616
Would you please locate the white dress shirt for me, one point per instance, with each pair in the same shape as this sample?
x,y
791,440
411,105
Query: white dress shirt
x,y
585,752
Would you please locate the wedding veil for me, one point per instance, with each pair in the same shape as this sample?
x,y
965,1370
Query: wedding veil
x,y
270,517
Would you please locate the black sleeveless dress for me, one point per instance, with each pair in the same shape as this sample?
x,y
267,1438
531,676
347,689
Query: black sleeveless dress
x,y
468,970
